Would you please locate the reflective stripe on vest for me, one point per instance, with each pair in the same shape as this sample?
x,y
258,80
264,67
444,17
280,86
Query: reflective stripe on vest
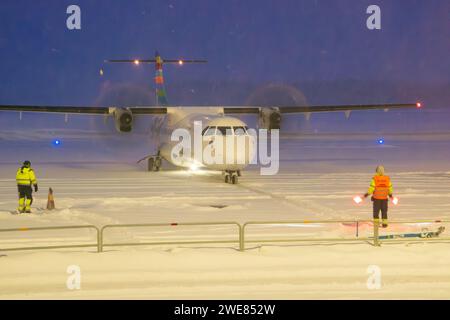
x,y
382,184
24,182
25,177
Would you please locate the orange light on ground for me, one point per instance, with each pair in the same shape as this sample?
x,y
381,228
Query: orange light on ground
x,y
418,105
180,62
136,62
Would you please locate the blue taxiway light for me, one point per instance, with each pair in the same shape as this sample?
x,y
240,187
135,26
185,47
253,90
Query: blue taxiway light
x,y
380,141
56,142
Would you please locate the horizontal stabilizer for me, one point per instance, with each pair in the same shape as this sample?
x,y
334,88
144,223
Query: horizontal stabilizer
x,y
137,61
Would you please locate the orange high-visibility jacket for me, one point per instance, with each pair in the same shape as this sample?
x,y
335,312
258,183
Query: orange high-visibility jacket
x,y
381,187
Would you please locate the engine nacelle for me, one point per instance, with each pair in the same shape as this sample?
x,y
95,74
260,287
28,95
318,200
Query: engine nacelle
x,y
269,118
123,120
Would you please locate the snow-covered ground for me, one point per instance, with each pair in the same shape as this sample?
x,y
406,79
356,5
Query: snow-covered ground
x,y
269,272
95,183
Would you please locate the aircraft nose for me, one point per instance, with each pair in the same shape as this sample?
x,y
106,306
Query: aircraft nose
x,y
246,155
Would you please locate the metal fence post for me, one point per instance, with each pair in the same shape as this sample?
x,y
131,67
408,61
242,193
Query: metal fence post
x,y
100,240
357,228
241,238
375,234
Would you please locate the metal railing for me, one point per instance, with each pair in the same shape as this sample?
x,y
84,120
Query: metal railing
x,y
399,238
241,240
301,222
26,229
102,231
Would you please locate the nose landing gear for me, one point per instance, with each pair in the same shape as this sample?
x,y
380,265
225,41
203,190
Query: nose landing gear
x,y
154,163
232,176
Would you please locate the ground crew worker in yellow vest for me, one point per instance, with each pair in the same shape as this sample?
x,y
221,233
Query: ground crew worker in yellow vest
x,y
26,178
380,189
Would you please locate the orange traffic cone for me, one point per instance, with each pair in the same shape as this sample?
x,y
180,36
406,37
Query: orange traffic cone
x,y
51,200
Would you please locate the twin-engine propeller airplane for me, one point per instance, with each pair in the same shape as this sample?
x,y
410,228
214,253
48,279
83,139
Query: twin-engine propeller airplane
x,y
218,122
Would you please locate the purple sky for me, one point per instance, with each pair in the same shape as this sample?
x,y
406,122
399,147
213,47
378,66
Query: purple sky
x,y
255,41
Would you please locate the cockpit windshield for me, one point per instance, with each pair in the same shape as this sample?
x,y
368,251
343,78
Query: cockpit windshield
x,y
209,131
240,131
224,130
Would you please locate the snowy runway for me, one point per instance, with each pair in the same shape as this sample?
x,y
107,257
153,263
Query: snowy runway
x,y
315,183
123,196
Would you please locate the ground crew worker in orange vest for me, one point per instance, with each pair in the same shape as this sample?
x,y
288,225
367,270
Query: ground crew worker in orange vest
x,y
380,189
26,178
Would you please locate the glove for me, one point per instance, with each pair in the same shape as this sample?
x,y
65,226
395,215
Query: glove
x,y
366,195
35,188
391,196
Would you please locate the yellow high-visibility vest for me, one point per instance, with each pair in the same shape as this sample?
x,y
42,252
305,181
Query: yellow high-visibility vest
x,y
25,177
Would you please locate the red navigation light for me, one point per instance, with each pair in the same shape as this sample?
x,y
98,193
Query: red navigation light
x,y
418,105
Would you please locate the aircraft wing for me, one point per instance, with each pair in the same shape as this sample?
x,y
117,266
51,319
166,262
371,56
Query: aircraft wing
x,y
81,110
227,110
312,109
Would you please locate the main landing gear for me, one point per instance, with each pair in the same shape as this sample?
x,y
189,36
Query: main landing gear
x,y
154,163
232,176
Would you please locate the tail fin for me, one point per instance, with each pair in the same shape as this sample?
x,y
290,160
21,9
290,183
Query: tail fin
x,y
161,96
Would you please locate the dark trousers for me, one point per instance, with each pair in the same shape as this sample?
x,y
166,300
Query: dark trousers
x,y
380,205
25,192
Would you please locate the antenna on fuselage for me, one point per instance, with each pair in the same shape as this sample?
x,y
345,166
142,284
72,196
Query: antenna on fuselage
x,y
160,91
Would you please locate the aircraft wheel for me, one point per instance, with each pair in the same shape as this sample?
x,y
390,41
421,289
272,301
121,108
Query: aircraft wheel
x,y
239,173
157,164
234,179
150,164
227,178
